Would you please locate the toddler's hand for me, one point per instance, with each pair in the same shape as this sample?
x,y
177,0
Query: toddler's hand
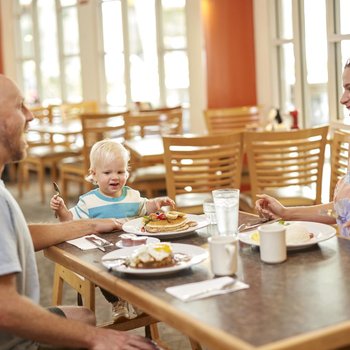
x,y
56,202
164,201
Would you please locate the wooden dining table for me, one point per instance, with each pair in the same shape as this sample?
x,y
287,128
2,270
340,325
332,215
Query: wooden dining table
x,y
302,303
146,149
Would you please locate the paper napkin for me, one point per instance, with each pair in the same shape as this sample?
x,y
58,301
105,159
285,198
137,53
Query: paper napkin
x,y
83,243
205,289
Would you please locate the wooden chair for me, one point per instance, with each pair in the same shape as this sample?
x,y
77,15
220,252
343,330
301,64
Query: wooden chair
x,y
73,110
95,127
221,120
153,123
339,158
44,152
149,177
287,165
196,165
86,297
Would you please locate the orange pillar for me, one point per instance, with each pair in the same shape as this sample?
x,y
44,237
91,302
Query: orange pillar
x,y
229,39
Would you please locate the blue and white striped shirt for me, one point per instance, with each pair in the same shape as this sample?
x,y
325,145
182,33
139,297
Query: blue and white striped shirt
x,y
96,205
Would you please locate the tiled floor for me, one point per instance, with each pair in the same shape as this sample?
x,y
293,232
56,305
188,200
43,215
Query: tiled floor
x,y
34,211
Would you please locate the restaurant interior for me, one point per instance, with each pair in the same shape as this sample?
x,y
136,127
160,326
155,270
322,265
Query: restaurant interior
x,y
204,95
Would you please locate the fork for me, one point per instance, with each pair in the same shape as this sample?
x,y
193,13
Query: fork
x,y
249,226
58,193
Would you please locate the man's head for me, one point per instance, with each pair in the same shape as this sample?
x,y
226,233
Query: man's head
x,y
14,118
345,99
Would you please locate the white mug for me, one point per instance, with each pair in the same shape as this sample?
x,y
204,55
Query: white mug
x,y
273,248
223,251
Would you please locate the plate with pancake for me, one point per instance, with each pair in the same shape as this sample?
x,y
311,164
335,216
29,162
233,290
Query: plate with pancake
x,y
299,234
182,257
137,226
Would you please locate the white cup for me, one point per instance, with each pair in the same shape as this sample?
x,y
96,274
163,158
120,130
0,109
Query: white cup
x,y
223,251
273,248
226,207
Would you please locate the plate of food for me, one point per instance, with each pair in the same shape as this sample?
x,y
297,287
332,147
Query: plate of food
x,y
172,224
299,234
154,259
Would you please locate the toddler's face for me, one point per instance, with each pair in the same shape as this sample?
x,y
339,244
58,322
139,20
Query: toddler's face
x,y
111,177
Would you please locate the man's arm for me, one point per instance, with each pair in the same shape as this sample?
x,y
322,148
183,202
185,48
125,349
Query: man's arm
x,y
46,235
20,316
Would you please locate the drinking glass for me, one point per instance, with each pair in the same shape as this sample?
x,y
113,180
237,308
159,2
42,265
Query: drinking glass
x,y
209,212
226,207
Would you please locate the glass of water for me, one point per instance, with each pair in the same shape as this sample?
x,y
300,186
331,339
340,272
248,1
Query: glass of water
x,y
209,212
226,207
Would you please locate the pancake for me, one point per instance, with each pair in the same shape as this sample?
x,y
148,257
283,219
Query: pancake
x,y
167,222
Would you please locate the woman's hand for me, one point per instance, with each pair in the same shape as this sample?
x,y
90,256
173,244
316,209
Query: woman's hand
x,y
269,207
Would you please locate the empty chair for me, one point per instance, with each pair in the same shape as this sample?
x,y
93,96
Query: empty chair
x,y
339,158
44,152
221,120
196,165
153,123
287,165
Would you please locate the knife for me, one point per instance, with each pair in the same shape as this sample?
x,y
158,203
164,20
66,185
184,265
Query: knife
x,y
93,241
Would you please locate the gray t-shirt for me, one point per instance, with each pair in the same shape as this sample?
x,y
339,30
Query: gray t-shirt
x,y
16,256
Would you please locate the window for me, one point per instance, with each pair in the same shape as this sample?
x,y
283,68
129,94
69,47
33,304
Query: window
x,y
139,55
310,44
49,53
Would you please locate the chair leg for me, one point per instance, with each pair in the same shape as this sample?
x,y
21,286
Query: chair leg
x,y
57,289
83,287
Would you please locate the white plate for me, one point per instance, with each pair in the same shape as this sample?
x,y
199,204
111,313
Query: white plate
x,y
197,255
119,244
135,226
321,233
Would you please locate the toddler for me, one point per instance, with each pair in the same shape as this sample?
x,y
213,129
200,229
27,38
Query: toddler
x,y
111,199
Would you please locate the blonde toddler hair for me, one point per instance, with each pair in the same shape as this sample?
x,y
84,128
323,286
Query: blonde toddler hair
x,y
106,151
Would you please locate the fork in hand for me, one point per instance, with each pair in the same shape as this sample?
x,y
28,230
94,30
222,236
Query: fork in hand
x,y
58,193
